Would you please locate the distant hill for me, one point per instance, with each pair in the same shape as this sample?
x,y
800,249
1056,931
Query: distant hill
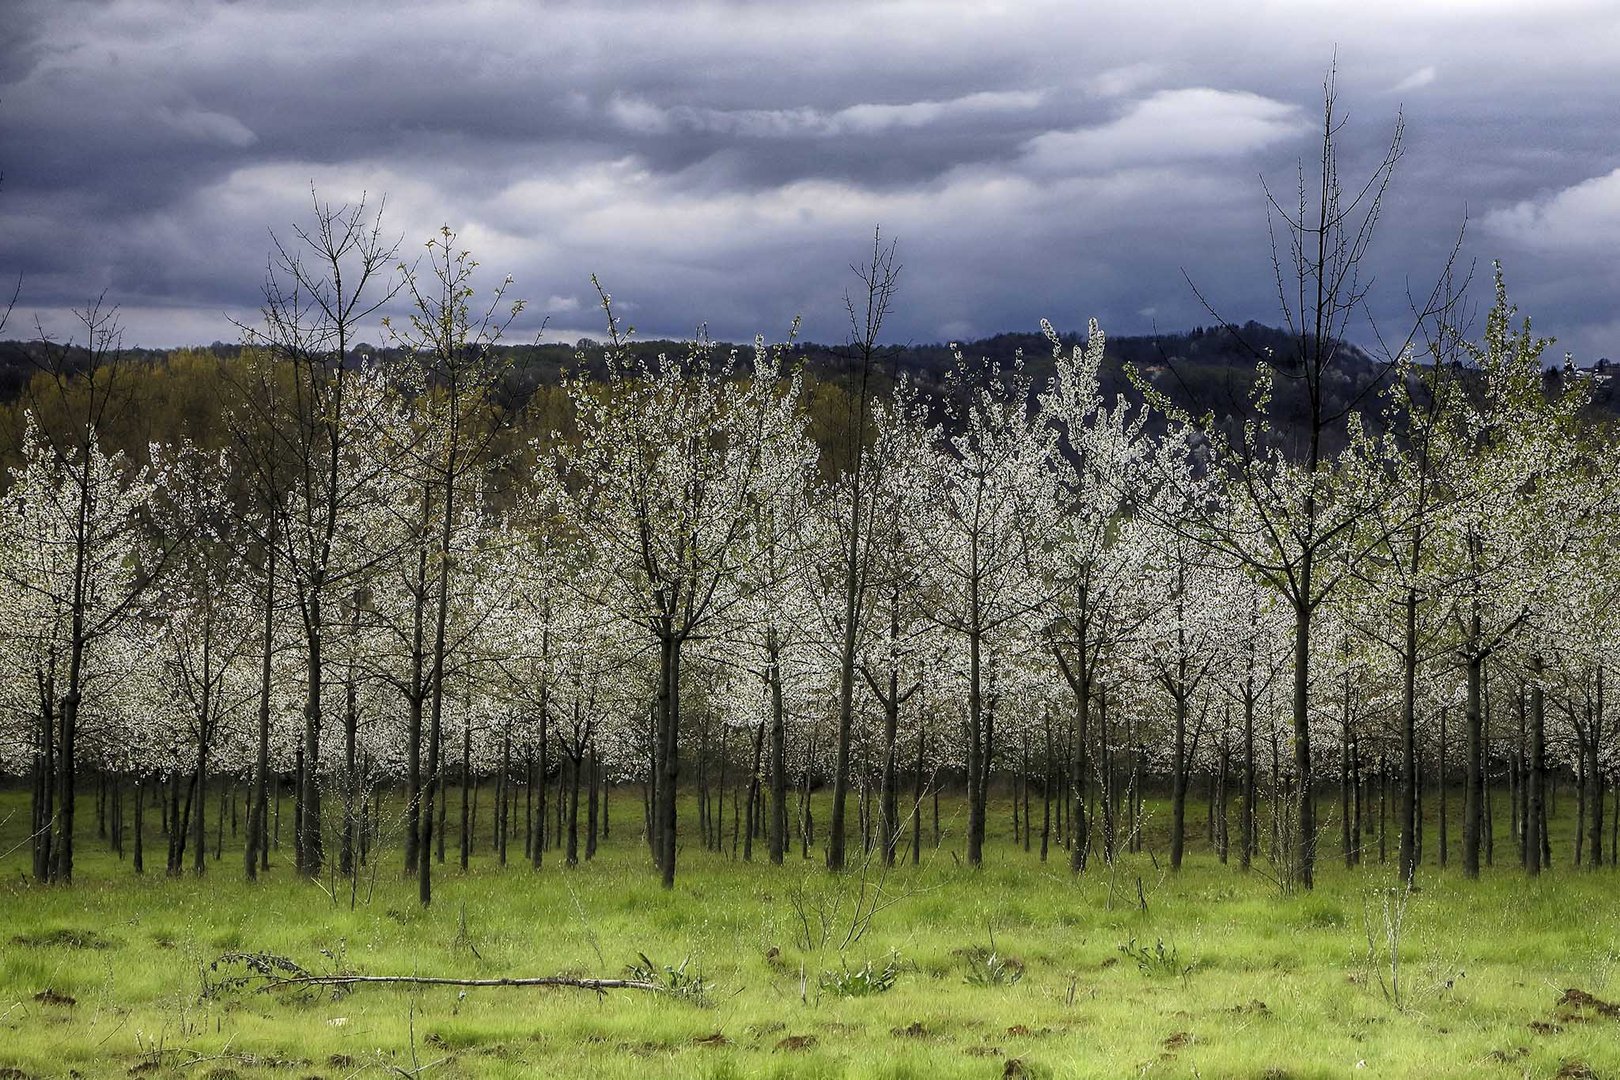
x,y
1205,368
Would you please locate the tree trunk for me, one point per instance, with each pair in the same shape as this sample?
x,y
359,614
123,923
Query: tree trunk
x,y
44,801
258,848
576,761
1250,824
888,795
754,790
1473,776
975,754
1594,778
779,780
1535,816
670,774
139,855
310,851
593,811
1178,785
507,796
1445,812
466,791
846,670
917,800
1304,855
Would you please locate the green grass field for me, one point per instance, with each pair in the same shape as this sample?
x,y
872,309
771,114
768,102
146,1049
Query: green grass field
x,y
1227,978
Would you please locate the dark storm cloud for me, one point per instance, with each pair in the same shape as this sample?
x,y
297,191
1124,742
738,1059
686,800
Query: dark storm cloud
x,y
725,162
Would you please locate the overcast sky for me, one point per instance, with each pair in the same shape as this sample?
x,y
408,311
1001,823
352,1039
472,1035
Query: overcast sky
x,y
725,163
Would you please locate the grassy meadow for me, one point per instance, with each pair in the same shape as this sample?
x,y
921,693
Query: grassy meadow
x,y
1016,970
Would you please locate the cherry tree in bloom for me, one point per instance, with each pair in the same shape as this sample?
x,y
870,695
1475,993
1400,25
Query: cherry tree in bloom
x,y
988,527
673,457
73,554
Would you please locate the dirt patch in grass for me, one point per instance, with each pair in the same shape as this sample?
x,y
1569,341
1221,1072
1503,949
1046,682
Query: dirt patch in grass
x,y
797,1042
1542,1027
1178,1040
1014,1068
65,937
48,996
1575,1069
914,1030
1578,1005
717,1039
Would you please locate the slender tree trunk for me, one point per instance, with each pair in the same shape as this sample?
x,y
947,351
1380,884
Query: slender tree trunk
x,y
917,799
846,670
199,825
508,796
1594,777
310,850
1344,776
1078,677
975,755
1473,776
1445,810
1535,816
466,792
754,790
575,764
258,849
671,759
1178,784
1250,830
416,700
1408,796
1358,791
595,802
140,824
779,778
61,851
1046,786
889,796
44,801
1383,807
430,789
1304,855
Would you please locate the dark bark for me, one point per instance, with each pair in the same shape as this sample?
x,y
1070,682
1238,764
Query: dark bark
x,y
1535,809
1473,765
1304,855
1178,785
1594,777
779,778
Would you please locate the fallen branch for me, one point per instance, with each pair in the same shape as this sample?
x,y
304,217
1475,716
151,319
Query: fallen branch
x,y
268,971
599,985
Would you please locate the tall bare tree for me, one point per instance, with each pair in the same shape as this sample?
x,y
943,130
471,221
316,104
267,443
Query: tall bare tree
x,y
323,285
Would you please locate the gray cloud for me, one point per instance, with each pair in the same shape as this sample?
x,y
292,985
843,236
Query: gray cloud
x,y
724,162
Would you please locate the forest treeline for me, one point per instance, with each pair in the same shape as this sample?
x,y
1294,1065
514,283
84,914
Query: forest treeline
x,y
176,387
1263,566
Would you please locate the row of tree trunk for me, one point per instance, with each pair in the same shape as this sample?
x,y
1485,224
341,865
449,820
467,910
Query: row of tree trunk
x,y
1099,766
